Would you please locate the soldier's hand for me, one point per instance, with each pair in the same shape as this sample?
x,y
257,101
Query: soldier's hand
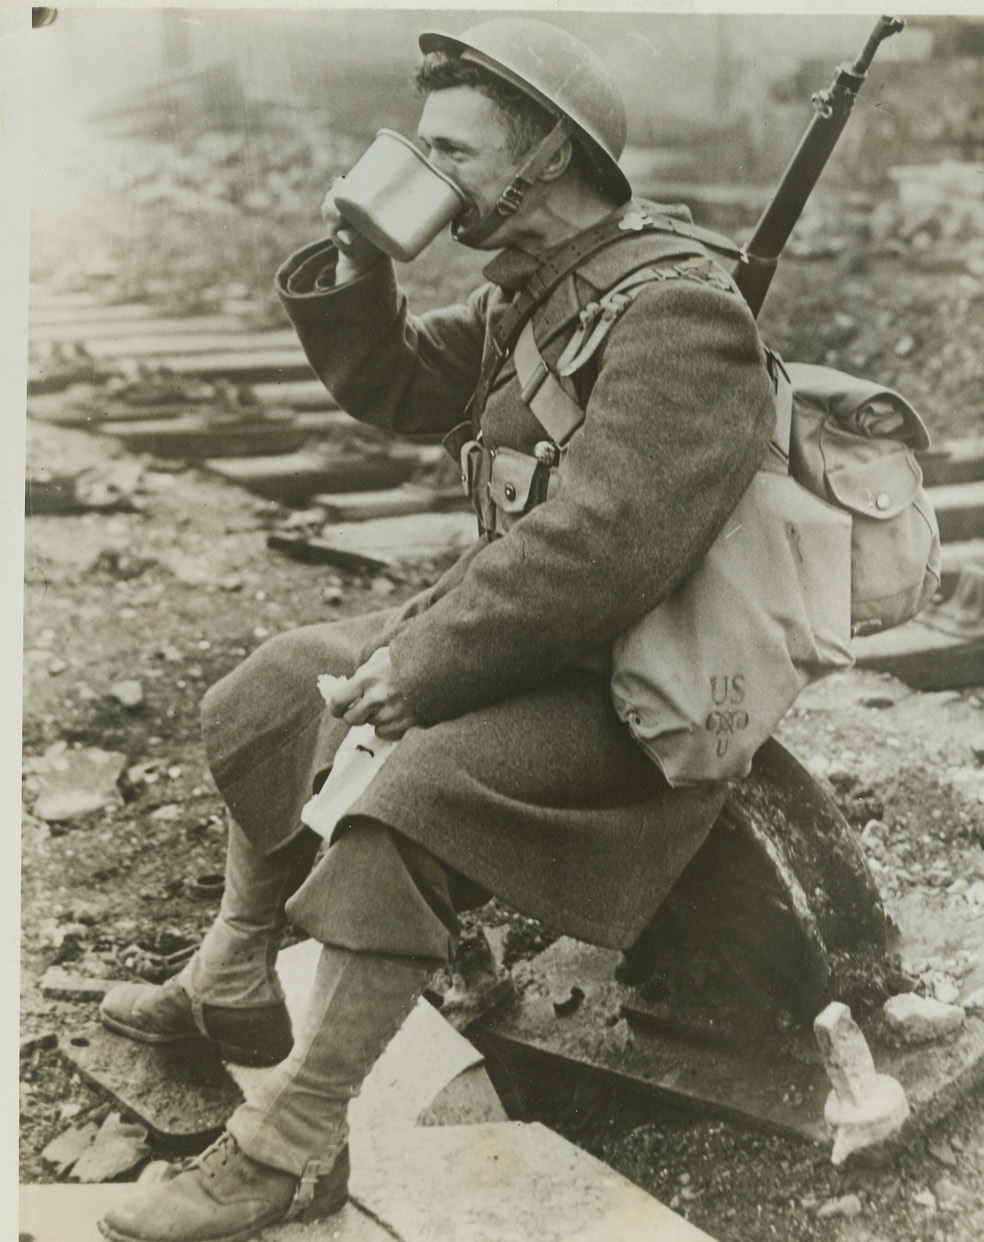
x,y
370,697
356,255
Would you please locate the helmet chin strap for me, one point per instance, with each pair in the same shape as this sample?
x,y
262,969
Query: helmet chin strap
x,y
511,198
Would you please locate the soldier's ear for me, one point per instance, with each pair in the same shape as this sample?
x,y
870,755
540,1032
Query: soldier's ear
x,y
558,163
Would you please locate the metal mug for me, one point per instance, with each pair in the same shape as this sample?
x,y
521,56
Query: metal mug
x,y
395,198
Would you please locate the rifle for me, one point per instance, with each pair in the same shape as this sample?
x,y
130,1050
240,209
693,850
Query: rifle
x,y
754,273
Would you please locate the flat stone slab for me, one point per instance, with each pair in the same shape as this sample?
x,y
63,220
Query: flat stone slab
x,y
61,1213
428,1072
484,1183
773,1087
502,1183
184,1094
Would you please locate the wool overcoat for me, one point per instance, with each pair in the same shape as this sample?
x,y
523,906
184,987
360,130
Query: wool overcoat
x,y
519,775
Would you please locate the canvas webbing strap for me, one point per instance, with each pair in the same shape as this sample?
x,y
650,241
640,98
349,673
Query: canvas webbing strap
x,y
560,415
546,278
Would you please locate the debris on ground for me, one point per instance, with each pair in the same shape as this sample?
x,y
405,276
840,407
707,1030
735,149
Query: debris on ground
x,y
75,782
915,1019
116,1148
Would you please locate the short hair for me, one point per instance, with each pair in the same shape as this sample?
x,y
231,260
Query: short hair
x,y
527,122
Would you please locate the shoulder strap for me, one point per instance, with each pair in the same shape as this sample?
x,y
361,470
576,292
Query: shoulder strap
x,y
560,415
570,256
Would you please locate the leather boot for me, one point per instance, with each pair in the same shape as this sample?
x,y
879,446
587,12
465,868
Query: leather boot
x,y
259,1035
225,1196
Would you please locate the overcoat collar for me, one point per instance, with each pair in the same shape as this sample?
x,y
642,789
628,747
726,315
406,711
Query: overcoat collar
x,y
510,269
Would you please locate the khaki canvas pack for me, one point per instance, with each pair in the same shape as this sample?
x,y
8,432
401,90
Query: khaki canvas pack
x,y
834,537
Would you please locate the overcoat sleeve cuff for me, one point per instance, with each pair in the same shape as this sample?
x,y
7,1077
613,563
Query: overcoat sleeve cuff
x,y
309,274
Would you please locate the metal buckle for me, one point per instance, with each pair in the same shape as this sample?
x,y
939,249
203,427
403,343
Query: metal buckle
x,y
304,1194
535,382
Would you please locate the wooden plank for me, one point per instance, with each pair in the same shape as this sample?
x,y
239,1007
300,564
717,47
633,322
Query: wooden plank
x,y
162,347
396,502
134,327
195,436
956,557
306,394
924,658
58,307
313,551
261,367
960,510
293,478
956,461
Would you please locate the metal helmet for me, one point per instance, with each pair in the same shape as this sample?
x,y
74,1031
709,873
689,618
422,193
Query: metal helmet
x,y
560,72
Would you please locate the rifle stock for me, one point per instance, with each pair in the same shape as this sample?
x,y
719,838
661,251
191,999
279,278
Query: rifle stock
x,y
832,107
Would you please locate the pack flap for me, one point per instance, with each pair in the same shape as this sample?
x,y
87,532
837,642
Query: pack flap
x,y
876,484
863,407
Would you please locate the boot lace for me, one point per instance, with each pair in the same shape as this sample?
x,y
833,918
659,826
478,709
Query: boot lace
x,y
217,1157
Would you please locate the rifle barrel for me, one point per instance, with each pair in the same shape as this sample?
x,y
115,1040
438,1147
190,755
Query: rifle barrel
x,y
832,108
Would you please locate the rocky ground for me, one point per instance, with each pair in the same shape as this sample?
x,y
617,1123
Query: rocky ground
x,y
130,615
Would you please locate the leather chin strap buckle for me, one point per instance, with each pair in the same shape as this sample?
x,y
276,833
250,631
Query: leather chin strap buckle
x,y
511,198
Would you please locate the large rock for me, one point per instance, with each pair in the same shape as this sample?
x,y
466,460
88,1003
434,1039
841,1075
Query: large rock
x,y
920,1020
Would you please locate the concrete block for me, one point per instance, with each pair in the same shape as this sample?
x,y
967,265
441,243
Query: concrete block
x,y
499,1183
920,1020
864,1108
59,984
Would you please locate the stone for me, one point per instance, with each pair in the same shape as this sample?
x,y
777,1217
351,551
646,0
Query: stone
x,y
846,1205
63,1151
943,1152
952,1197
946,991
116,1148
926,1199
497,1183
975,893
77,782
864,1108
59,984
128,693
914,1019
973,1002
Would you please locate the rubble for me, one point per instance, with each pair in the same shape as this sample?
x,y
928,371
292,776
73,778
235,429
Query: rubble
x,y
116,1148
76,782
915,1019
68,1147
128,693
61,984
848,1206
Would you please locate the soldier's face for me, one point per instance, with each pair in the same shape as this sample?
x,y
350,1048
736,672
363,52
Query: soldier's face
x,y
466,137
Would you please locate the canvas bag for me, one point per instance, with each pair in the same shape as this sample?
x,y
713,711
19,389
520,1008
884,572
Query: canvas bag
x,y
703,680
845,541
854,442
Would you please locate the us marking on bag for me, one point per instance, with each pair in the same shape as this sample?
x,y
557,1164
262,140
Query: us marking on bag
x,y
727,692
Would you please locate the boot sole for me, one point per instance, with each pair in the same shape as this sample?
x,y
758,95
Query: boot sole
x,y
151,1037
319,1209
251,1058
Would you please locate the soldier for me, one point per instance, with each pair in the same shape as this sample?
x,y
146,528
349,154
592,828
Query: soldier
x,y
513,774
